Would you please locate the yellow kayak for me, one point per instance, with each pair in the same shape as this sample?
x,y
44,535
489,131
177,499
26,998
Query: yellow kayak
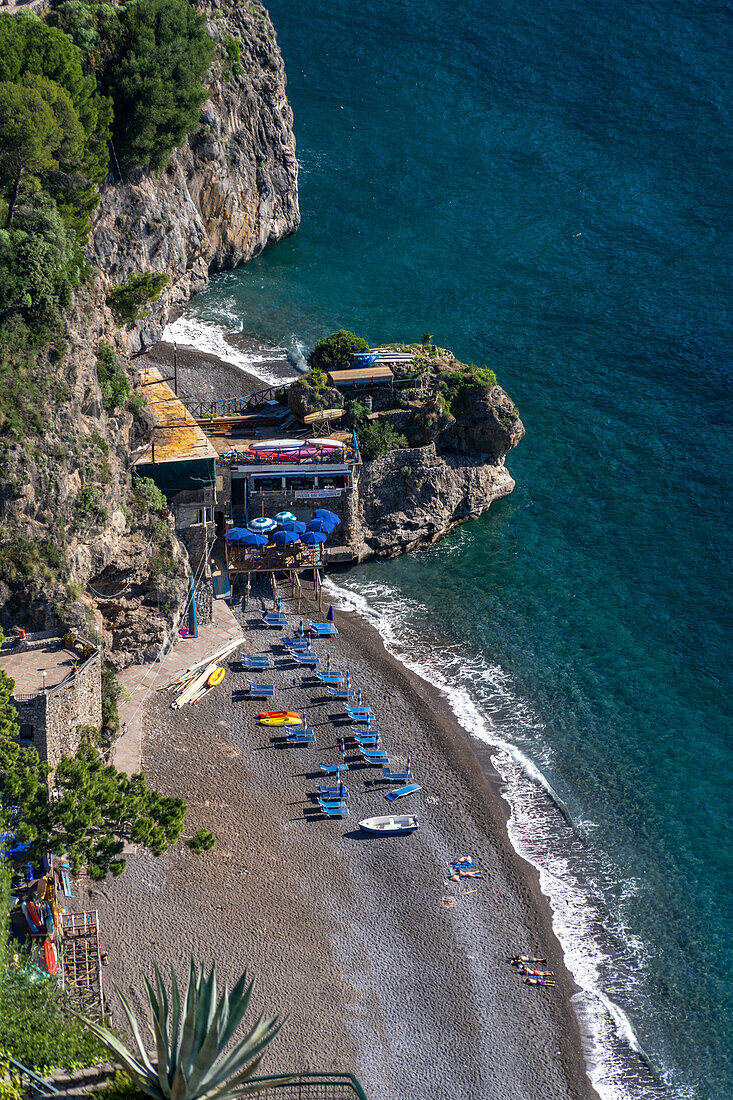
x,y
216,677
282,721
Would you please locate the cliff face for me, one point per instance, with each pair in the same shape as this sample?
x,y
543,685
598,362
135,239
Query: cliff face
x,y
413,497
75,545
225,195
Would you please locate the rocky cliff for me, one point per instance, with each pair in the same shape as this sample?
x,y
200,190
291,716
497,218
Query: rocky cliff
x,y
413,497
228,192
77,547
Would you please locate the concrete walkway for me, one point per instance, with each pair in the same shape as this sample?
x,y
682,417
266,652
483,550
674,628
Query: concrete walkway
x,y
142,680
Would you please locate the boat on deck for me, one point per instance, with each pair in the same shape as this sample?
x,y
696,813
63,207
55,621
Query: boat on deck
x,y
391,825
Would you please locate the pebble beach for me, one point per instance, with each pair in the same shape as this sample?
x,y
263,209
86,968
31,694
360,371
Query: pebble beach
x,y
386,968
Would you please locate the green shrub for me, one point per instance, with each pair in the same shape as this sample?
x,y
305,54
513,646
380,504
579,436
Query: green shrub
x,y
233,64
88,506
129,301
147,497
201,841
335,350
112,379
316,379
377,438
112,692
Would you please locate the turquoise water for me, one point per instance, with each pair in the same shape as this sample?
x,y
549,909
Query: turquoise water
x,y
545,188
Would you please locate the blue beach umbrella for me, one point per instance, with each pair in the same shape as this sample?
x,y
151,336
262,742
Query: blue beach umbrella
x,y
262,526
313,538
251,538
284,518
282,538
329,517
235,533
321,525
294,525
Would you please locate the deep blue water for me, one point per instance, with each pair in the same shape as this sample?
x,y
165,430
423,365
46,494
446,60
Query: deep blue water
x,y
545,188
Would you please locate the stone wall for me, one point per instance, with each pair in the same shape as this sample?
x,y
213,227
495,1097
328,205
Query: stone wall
x,y
57,713
198,540
73,703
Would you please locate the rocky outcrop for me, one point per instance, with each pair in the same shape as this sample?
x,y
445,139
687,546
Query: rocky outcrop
x,y
226,194
487,422
75,550
413,497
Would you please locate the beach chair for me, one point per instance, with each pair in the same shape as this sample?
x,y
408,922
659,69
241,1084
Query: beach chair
x,y
366,738
307,660
333,809
299,737
333,769
274,619
298,641
256,661
261,691
340,793
411,788
341,692
397,777
330,677
376,759
360,714
323,630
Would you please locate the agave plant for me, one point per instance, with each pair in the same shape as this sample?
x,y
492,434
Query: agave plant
x,y
190,1042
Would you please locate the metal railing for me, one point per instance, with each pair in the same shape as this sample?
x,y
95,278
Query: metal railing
x,y
310,1086
233,405
32,1084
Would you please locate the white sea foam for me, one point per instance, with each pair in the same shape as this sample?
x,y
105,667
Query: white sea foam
x,y
572,875
270,364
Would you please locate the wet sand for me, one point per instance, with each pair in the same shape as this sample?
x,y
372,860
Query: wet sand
x,y
387,970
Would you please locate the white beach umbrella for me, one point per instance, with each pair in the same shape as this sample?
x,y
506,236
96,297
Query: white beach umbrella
x,y
262,525
284,517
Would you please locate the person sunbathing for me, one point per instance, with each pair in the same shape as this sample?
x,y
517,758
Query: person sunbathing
x,y
539,981
517,959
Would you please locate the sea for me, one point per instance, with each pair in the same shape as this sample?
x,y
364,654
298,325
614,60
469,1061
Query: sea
x,y
545,188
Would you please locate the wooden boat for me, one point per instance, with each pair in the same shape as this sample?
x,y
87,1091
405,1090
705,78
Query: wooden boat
x,y
216,677
390,826
51,957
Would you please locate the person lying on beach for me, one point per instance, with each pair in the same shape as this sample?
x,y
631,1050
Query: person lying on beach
x,y
539,981
536,973
517,959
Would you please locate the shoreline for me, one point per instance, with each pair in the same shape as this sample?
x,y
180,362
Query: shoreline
x,y
346,933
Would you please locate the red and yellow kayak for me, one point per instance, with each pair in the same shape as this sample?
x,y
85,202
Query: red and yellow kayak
x,y
279,714
51,957
286,720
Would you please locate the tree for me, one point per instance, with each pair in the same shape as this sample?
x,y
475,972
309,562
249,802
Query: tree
x,y
377,438
335,350
39,261
156,81
30,139
192,1059
129,300
29,48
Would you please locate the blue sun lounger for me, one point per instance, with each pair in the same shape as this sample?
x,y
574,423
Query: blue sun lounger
x,y
333,769
376,759
341,693
307,660
398,777
323,630
300,737
261,691
65,873
274,618
360,714
330,677
339,793
402,791
298,641
333,809
255,661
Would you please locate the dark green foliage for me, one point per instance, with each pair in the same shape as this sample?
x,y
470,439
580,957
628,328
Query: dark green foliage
x,y
39,561
121,1087
128,302
39,263
156,79
112,692
334,350
137,403
112,379
147,497
29,49
456,384
377,438
202,841
35,1027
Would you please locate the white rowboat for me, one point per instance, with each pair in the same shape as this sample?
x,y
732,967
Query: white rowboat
x,y
390,826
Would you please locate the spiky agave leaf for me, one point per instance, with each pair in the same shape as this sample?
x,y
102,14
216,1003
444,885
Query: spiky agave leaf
x,y
192,1061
